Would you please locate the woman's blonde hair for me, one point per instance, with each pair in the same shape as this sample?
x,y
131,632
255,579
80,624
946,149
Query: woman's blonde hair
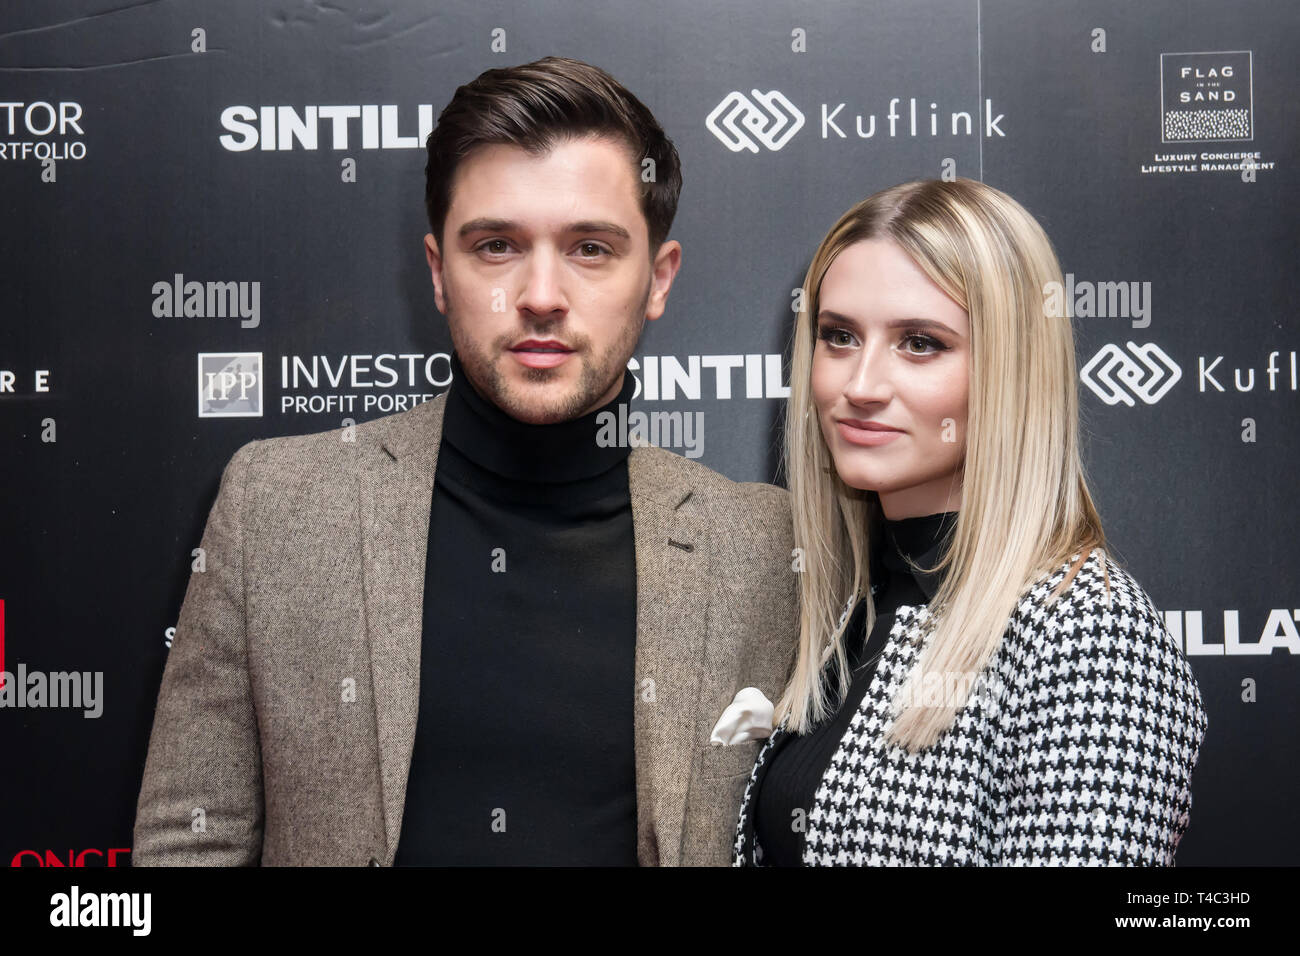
x,y
1025,506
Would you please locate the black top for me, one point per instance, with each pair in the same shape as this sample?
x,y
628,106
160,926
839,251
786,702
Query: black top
x,y
797,763
523,749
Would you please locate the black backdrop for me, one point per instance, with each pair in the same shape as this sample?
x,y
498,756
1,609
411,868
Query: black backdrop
x,y
136,150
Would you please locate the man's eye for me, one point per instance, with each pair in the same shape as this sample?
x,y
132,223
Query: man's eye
x,y
488,246
596,249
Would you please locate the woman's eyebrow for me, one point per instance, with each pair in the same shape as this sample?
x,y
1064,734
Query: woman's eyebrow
x,y
893,323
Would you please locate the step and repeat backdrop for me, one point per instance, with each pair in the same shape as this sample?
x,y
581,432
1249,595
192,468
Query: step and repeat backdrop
x,y
199,193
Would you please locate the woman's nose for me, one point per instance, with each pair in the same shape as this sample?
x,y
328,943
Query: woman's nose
x,y
869,381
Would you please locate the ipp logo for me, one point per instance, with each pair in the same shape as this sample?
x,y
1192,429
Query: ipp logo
x,y
230,384
771,121
76,858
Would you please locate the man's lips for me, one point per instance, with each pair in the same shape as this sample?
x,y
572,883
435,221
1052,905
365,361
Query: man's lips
x,y
858,432
540,353
540,345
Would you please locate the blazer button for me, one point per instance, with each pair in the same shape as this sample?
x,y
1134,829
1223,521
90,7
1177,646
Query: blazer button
x,y
373,862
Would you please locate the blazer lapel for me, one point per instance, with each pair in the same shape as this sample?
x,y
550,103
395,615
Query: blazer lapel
x,y
673,596
395,494
745,839
907,636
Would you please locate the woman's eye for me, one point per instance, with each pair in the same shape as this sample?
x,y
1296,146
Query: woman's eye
x,y
927,344
835,338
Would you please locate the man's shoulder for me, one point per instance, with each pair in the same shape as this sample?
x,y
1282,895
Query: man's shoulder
x,y
340,451
663,469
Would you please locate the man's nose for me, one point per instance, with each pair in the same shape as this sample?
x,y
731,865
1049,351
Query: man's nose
x,y
542,293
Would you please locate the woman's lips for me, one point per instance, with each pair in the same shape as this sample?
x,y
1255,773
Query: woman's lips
x,y
869,437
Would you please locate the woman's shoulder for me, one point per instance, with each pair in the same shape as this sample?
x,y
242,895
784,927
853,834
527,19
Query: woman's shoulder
x,y
1101,628
1082,591
1101,617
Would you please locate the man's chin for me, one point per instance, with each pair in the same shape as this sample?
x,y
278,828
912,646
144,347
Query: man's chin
x,y
538,414
539,404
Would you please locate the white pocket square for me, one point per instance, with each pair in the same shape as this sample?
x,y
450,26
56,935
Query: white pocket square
x,y
747,717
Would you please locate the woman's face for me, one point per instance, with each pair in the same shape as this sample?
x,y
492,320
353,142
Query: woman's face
x,y
889,379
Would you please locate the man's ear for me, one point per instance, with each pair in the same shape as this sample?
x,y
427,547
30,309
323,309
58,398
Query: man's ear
x,y
667,261
434,258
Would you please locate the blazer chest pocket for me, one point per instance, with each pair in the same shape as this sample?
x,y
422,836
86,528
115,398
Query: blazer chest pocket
x,y
718,762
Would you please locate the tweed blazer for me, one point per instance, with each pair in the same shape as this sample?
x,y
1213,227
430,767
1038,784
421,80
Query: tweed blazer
x,y
1077,749
287,712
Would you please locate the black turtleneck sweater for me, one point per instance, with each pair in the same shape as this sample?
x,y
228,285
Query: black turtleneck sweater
x,y
524,743
797,762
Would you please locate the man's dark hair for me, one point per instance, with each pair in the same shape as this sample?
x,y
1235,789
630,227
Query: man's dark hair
x,y
538,105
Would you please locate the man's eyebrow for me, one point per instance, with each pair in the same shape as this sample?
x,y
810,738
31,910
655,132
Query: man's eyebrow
x,y
893,323
489,224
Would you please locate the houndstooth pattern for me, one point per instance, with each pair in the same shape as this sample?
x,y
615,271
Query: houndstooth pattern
x,y
1079,752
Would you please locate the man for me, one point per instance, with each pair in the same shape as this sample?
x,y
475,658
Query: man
x,y
472,632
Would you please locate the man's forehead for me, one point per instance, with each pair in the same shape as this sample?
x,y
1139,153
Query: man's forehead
x,y
591,178
584,165
570,144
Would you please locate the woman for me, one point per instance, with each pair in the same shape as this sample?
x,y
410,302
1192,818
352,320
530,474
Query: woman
x,y
996,689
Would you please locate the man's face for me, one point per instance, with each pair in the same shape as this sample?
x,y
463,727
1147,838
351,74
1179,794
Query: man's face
x,y
546,279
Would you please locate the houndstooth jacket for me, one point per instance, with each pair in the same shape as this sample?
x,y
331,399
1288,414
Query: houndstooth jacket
x,y
1078,749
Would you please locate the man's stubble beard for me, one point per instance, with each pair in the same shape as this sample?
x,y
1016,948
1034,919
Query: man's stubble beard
x,y
596,378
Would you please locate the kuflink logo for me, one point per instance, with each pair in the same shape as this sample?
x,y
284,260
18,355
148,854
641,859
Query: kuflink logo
x,y
743,122
1145,371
